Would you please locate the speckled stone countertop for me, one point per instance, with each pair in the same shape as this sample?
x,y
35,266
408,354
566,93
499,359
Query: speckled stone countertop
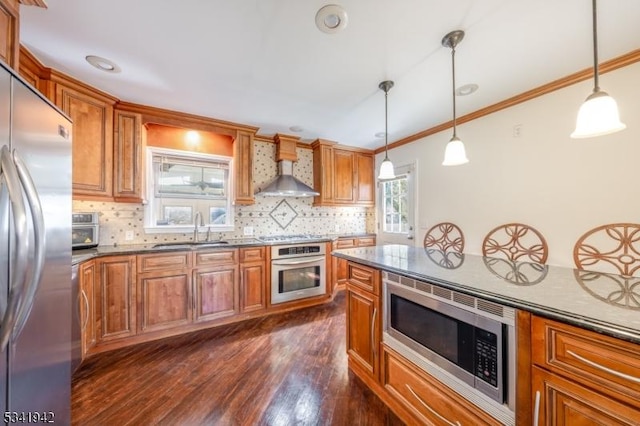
x,y
605,303
79,256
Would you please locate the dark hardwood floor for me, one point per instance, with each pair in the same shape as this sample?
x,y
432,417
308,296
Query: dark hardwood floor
x,y
286,369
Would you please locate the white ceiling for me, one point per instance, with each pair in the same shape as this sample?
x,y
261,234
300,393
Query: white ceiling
x,y
264,62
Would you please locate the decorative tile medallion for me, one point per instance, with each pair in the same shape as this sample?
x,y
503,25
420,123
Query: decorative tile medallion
x,y
283,214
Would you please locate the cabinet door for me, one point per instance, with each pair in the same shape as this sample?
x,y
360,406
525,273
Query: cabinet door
x,y
92,141
564,402
253,296
9,35
115,297
127,152
343,176
363,329
87,308
365,183
243,157
163,300
216,292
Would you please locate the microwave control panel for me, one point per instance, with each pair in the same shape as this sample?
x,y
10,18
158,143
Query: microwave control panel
x,y
487,357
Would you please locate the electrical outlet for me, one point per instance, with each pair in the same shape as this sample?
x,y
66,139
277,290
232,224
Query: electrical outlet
x,y
248,230
128,236
517,130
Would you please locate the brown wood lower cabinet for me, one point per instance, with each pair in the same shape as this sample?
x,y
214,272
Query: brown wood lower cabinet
x,y
115,298
215,292
87,305
428,400
340,273
364,321
583,378
253,279
564,402
163,300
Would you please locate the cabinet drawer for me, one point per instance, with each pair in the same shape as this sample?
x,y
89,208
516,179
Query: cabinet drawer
x,y
364,277
342,243
252,254
216,257
164,261
601,362
563,402
366,241
429,400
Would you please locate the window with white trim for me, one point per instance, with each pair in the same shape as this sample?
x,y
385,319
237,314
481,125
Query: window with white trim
x,y
184,185
395,206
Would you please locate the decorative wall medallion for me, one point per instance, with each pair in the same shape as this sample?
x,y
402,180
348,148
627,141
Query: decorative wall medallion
x,y
283,214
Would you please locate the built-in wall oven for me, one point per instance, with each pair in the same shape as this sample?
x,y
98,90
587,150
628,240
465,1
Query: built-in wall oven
x,y
298,271
465,342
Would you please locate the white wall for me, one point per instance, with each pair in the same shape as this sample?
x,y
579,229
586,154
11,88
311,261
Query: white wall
x,y
561,186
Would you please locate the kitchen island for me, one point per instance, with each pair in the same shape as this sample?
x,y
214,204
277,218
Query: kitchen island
x,y
577,336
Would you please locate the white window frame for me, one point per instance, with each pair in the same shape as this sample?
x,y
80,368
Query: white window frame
x,y
150,225
386,237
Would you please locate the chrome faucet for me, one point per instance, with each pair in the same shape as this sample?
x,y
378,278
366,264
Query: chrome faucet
x,y
197,223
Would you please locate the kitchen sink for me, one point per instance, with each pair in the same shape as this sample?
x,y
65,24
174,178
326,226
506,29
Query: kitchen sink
x,y
188,244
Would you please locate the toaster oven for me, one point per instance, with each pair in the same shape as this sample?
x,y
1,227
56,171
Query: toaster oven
x,y
85,230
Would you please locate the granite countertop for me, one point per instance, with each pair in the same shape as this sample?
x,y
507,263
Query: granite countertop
x,y
78,256
605,303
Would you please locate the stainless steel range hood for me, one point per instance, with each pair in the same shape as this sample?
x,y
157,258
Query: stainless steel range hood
x,y
285,185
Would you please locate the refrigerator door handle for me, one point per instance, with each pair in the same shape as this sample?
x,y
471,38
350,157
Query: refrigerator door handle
x,y
39,233
18,265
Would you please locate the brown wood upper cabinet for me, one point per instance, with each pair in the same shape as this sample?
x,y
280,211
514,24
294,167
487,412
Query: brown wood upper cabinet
x,y
92,115
342,175
243,158
128,153
9,36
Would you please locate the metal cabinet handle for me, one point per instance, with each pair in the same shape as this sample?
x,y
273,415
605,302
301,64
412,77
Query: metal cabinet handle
x,y
9,174
39,233
536,409
86,304
373,333
298,262
603,368
431,410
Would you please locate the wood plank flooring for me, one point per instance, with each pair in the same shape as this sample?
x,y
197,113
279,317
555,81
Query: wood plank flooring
x,y
286,369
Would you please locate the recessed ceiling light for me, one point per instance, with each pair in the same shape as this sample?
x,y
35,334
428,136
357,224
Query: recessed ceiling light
x,y
296,129
467,89
103,64
379,135
331,18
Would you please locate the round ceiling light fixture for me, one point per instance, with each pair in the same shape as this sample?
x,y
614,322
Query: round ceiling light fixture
x,y
380,135
466,89
103,64
331,18
296,129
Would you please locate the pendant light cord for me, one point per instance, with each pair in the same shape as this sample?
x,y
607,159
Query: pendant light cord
x,y
386,149
453,73
596,82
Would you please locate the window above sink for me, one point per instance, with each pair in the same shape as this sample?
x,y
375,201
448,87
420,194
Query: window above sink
x,y
181,184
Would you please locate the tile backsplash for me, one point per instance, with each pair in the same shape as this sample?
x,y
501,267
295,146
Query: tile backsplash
x,y
268,216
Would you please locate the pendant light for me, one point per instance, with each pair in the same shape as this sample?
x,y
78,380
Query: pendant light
x,y
386,168
454,153
598,115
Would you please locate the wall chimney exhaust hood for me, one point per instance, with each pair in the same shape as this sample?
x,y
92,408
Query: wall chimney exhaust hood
x,y
285,185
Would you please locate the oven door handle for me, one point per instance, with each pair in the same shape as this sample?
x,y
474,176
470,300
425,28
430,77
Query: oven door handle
x,y
306,260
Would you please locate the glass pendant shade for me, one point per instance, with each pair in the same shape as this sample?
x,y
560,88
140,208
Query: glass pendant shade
x,y
454,153
597,116
386,170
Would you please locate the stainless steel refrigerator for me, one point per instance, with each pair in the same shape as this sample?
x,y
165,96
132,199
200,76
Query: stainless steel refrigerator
x,y
35,255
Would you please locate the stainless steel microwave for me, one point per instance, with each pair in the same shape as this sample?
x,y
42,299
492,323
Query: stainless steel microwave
x,y
85,230
466,342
